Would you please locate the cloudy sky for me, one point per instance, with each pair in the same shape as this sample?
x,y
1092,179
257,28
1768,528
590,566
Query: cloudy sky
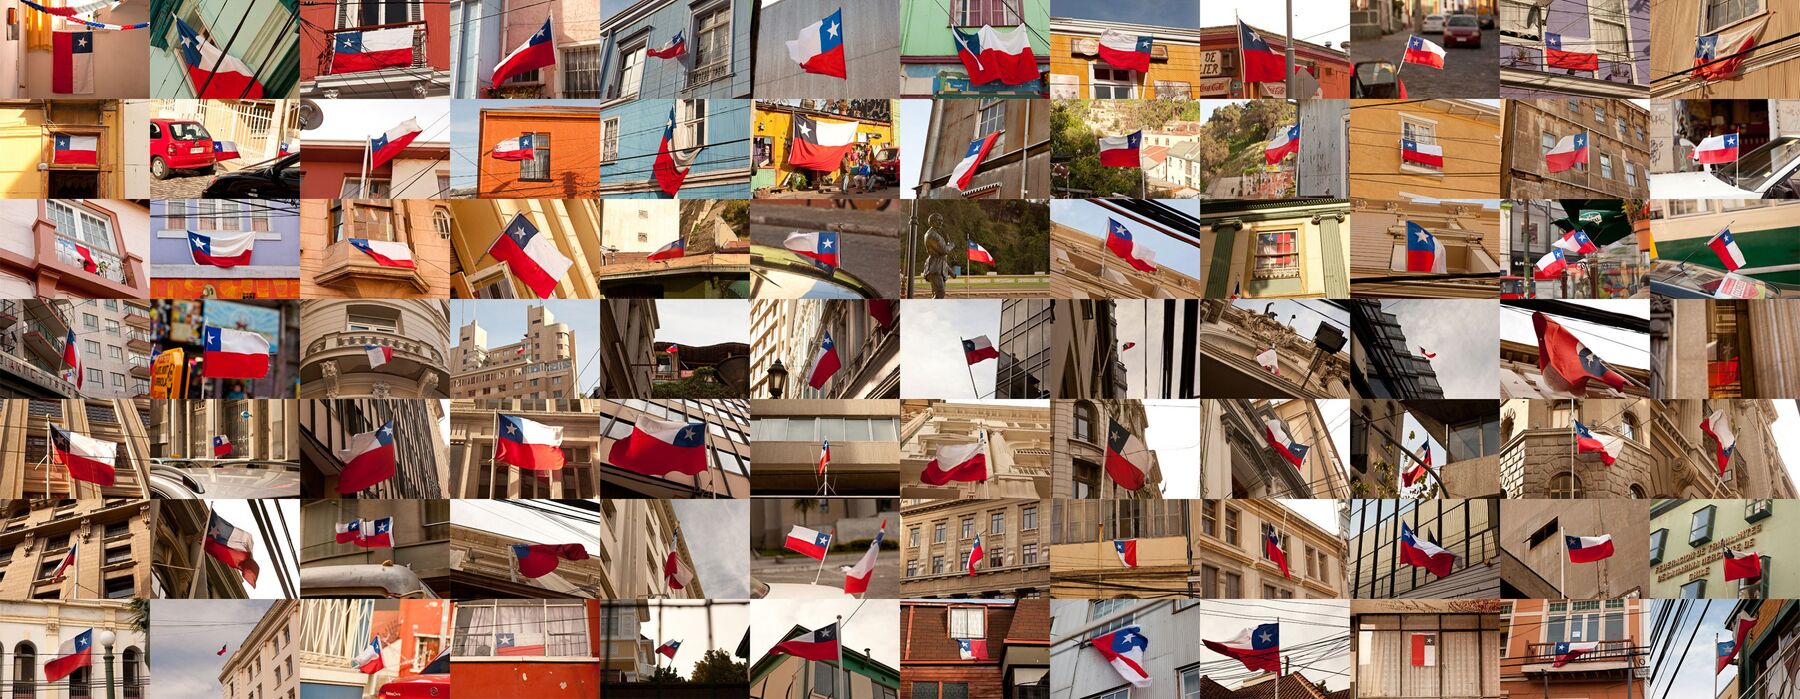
x,y
237,512
1317,21
1091,219
703,322
1615,346
1690,656
1315,637
504,321
931,347
1304,317
1336,412
347,120
718,537
872,625
1174,435
698,625
1414,435
1462,333
528,525
915,123
187,634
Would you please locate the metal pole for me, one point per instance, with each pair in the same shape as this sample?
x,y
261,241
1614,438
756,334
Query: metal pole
x,y
839,625
111,690
1562,564
1574,416
975,391
1288,70
821,570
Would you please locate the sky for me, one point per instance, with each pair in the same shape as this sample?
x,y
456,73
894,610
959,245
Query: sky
x,y
687,621
930,342
1786,429
697,322
1173,434
915,121
237,512
1615,346
1693,668
1412,435
1462,333
1314,634
351,120
870,624
1303,316
1090,218
504,321
1152,12
1317,21
183,633
528,525
721,553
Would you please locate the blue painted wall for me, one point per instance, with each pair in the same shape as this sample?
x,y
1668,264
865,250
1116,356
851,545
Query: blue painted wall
x,y
727,153
668,78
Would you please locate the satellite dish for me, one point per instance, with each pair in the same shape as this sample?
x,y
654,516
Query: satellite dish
x,y
310,115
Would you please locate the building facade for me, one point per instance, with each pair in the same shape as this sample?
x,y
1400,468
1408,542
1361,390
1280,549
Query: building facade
x,y
1174,664
39,123
1470,529
727,448
421,464
790,332
273,271
427,75
1617,32
1276,249
1533,627
1017,634
711,135
37,629
569,130
1618,164
474,226
790,434
928,63
1763,74
1234,564
1017,166
636,536
41,260
1220,69
331,267
1078,449
336,335
1078,72
937,536
716,264
1469,231
269,45
1234,333
31,359
1082,267
540,366
1023,371
474,426
1018,454
334,169
1534,562
851,519
113,539
421,537
263,664
1236,461
413,632
1084,354
773,133
262,435
716,65
1382,634
1466,465
26,424
1468,131
627,352
115,346
810,678
482,565
1383,363
1691,566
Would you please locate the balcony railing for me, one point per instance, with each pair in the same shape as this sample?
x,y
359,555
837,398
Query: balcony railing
x,y
1609,655
418,48
110,265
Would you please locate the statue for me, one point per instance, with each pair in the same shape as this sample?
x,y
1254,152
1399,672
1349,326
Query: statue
x,y
937,256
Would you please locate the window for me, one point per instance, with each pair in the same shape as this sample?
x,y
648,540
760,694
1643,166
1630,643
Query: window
x,y
80,225
1547,143
1209,517
1113,83
968,527
496,628
1605,166
937,564
440,221
1701,525
537,169
609,140
1694,590
581,72
112,327
1028,518
1277,253
1574,106
1028,554
974,13
1084,422
968,622
1630,175
912,568
937,533
96,376
712,43
1620,125
90,348
1600,114
1421,133
1231,526
912,537
379,188
630,76
690,123
992,119
1190,683
1087,479
824,678
368,13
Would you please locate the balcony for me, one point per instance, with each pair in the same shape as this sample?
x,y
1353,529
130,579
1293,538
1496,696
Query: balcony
x,y
140,367
139,341
137,319
418,77
44,342
107,264
348,269
1610,656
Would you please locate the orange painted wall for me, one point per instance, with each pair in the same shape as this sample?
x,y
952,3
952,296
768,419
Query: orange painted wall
x,y
167,288
574,153
534,679
413,618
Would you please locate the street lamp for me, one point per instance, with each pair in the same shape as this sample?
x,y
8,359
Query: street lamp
x,y
107,638
777,379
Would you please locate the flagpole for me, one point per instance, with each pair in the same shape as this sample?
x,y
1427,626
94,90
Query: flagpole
x,y
363,188
971,367
821,570
1562,564
839,625
1100,541
50,434
1574,417
1240,42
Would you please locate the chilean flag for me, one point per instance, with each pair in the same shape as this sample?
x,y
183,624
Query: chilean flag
x,y
1570,151
1420,50
672,250
532,258
1725,246
856,577
1125,51
74,654
1123,452
979,349
71,357
213,73
384,147
824,363
354,52
1261,63
810,543
820,645
221,445
1556,57
1565,361
537,52
1276,435
675,573
349,531
528,444
1709,49
1718,427
824,456
369,660
1423,251
1424,554
1124,650
1742,566
957,462
87,458
1577,242
819,48
521,147
1272,549
381,533
1587,549
68,560
222,249
1551,265
657,447
976,554
370,459
1585,442
235,354
225,150
385,253
1728,650
820,145
674,49
669,649
1257,648
971,649
1120,241
1007,54
968,50
1412,476
668,173
87,256
1717,149
1288,141
72,63
231,546
378,355
1412,151
1120,151
1127,550
978,253
965,169
538,560
820,246
1567,651
76,150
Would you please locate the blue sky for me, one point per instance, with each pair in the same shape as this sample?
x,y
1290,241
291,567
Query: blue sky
x,y
504,321
915,119
1316,21
1153,12
1090,218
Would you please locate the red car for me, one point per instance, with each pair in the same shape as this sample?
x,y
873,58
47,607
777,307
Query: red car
x,y
179,144
1462,30
887,165
433,682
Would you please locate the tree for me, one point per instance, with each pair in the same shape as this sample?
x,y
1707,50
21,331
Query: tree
x,y
1077,146
805,506
665,675
718,667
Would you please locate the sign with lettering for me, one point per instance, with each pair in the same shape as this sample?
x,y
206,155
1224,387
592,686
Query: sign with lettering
x,y
1212,63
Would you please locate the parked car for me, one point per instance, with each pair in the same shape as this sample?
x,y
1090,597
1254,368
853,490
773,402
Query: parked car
x,y
887,166
179,144
1375,80
275,179
1462,30
1770,171
1487,20
432,682
1434,24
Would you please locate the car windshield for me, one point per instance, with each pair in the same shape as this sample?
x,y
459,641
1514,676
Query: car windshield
x,y
1462,21
1753,171
1375,72
440,666
187,131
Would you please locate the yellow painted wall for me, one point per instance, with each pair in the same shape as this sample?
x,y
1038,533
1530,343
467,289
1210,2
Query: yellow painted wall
x,y
1183,65
777,125
1469,136
24,143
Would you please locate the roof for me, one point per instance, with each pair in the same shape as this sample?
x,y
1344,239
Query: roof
x,y
1294,686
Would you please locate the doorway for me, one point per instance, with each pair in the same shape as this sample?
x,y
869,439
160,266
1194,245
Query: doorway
x,y
73,184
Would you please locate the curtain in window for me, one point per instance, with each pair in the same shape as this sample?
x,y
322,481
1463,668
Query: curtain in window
x,y
567,628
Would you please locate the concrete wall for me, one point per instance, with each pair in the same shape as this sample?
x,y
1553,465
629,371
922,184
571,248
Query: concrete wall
x,y
871,50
